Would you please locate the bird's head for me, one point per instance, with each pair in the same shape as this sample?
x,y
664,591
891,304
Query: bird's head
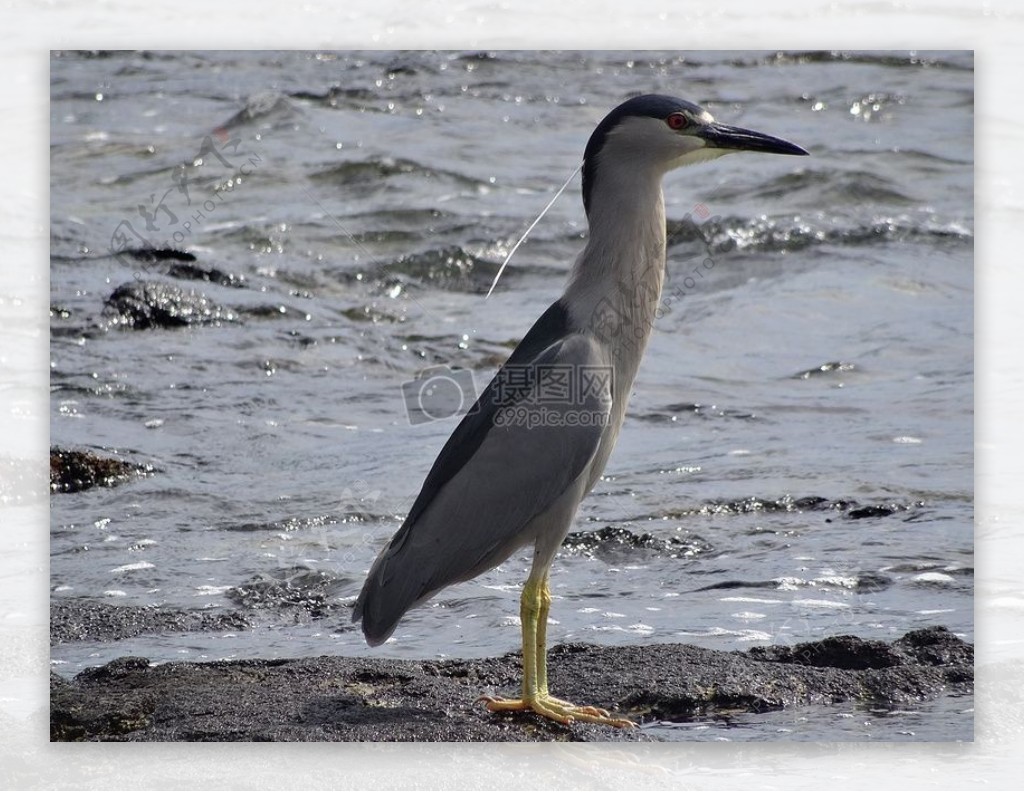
x,y
659,133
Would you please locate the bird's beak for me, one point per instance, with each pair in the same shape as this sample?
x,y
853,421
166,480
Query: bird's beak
x,y
722,136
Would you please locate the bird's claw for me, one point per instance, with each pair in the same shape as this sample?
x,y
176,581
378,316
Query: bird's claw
x,y
557,710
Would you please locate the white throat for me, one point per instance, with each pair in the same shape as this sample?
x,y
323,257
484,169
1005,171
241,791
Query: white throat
x,y
615,286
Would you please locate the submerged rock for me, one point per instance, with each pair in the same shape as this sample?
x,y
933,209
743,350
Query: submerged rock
x,y
301,591
344,699
82,620
149,255
850,508
74,471
611,543
188,271
143,305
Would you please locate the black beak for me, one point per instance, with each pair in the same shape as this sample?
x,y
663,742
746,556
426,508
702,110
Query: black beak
x,y
722,136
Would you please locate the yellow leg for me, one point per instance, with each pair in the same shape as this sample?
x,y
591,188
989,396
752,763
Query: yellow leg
x,y
533,609
544,605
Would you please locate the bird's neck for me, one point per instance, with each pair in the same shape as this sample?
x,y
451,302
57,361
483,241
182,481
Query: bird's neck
x,y
615,286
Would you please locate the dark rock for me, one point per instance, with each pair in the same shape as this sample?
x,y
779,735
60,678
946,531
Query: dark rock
x,y
308,591
934,646
151,255
738,584
144,305
836,367
74,471
612,543
674,412
267,106
755,505
339,698
868,582
337,94
83,620
119,716
844,651
187,271
872,511
121,668
787,503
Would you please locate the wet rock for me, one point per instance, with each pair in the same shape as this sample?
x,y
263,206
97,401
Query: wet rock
x,y
753,505
835,367
934,646
144,305
74,471
307,591
862,583
83,620
339,698
740,584
612,543
182,265
868,582
187,271
152,255
272,311
882,510
263,108
337,94
787,503
671,413
845,651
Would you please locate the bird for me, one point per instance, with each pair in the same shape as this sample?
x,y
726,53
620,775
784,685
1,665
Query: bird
x,y
524,456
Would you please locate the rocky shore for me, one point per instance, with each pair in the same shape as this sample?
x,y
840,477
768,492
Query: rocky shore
x,y
366,699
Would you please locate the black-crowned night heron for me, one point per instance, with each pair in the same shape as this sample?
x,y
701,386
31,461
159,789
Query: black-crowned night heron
x,y
516,468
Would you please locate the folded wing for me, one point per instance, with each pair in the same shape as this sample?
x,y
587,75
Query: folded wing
x,y
530,436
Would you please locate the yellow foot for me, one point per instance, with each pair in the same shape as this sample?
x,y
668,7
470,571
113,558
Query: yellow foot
x,y
556,710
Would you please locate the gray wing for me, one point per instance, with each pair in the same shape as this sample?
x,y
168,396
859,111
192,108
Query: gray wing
x,y
524,444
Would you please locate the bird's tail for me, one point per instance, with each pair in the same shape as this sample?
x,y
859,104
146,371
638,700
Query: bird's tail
x,y
389,592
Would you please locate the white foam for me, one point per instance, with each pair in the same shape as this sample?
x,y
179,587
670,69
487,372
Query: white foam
x,y
934,577
820,603
138,565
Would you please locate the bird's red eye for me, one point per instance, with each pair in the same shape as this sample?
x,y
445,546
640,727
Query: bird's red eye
x,y
677,121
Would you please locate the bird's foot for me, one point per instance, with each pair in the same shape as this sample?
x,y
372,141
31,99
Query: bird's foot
x,y
555,709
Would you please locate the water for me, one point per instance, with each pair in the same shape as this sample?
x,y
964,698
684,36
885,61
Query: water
x,y
362,213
